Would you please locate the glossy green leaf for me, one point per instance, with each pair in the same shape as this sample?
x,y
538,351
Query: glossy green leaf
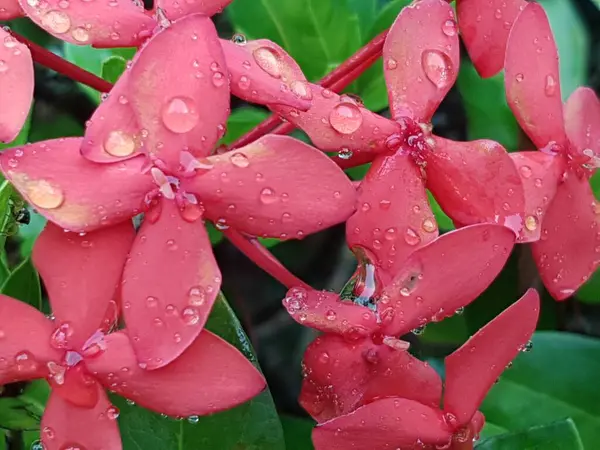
x,y
113,67
297,432
24,284
366,11
315,33
488,114
557,379
15,416
560,435
251,426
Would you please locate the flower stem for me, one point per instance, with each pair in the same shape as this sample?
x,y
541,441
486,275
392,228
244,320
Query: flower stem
x,y
48,59
336,80
264,259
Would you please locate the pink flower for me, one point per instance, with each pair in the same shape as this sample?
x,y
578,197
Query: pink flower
x,y
560,206
78,359
10,9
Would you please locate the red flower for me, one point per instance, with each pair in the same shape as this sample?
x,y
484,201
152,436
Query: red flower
x,y
10,9
400,403
16,85
276,186
556,180
78,359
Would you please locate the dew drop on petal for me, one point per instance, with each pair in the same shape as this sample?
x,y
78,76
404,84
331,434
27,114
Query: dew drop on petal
x,y
119,143
112,413
239,39
391,64
80,34
345,118
238,159
550,86
519,77
429,225
57,21
267,61
43,195
190,316
268,196
525,171
48,433
437,67
449,28
301,89
180,114
531,223
196,296
411,237
345,153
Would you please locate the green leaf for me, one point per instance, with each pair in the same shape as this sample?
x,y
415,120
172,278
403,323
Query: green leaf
x,y
24,284
15,416
557,379
251,426
2,440
297,433
241,121
315,33
590,291
113,67
444,222
49,123
366,11
560,435
488,114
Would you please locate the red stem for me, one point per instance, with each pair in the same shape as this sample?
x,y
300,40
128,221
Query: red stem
x,y
264,259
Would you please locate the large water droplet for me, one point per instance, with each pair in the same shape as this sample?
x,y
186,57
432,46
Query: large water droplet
x,y
345,118
268,61
239,39
238,159
43,195
57,21
180,114
118,143
301,89
531,223
59,339
429,225
25,362
449,28
437,67
268,196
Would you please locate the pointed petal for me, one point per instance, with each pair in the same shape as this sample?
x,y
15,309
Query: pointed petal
x,y
210,376
484,27
474,368
275,187
169,286
324,311
81,274
382,425
532,78
113,133
174,9
582,121
418,77
569,249
16,85
10,9
101,24
393,217
71,191
415,293
258,71
339,123
185,108
25,348
457,170
539,174
343,375
65,426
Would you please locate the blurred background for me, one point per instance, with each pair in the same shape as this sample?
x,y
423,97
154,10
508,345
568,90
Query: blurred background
x,y
321,35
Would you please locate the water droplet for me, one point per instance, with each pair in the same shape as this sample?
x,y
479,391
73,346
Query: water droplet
x,y
519,77
268,61
411,237
525,171
301,89
196,296
527,347
449,28
345,153
3,66
218,79
48,433
551,85
37,445
239,39
419,330
151,302
238,159
390,234
112,413
391,64
118,143
43,195
80,34
57,21
531,223
25,362
437,67
345,118
267,196
331,315
59,339
429,225
324,358
180,114
193,419
190,316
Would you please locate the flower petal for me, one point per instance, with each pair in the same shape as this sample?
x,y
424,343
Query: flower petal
x,y
66,426
532,78
169,286
210,376
569,249
339,123
474,368
174,9
258,71
484,27
16,85
383,425
539,174
324,311
184,108
81,274
582,121
457,170
343,375
71,191
418,77
10,9
415,293
101,24
275,187
25,335
393,217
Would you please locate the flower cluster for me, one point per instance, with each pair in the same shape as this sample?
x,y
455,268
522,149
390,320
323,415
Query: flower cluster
x,y
150,149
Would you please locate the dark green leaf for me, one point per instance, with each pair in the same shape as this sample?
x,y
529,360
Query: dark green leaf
x,y
2,440
297,433
14,416
590,291
557,379
444,222
49,123
251,426
35,396
29,233
366,10
560,435
24,284
113,67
